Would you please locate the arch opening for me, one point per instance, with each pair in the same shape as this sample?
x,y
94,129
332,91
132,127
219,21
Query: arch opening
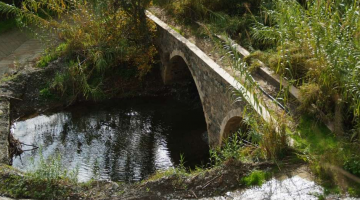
x,y
231,124
178,72
179,78
232,127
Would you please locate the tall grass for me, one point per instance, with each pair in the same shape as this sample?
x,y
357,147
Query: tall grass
x,y
317,43
48,179
232,17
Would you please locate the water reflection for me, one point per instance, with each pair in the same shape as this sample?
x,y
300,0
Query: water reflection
x,y
126,140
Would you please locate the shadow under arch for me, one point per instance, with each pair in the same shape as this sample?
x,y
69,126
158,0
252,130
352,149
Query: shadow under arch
x,y
231,123
178,71
178,74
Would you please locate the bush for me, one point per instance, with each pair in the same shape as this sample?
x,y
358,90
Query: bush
x,y
255,178
98,36
352,165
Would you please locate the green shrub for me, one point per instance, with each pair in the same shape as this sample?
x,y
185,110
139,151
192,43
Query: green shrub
x,y
51,55
99,35
354,191
255,178
352,165
231,148
46,94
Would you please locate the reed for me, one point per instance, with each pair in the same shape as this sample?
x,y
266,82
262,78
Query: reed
x,y
317,42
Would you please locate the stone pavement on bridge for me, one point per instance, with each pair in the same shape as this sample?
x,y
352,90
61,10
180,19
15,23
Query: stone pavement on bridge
x,y
16,48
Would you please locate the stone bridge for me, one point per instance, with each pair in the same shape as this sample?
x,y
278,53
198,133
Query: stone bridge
x,y
180,58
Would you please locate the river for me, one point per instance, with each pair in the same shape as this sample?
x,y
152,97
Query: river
x,y
119,140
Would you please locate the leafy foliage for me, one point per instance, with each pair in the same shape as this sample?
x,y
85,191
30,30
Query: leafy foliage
x,y
98,36
255,178
232,17
353,165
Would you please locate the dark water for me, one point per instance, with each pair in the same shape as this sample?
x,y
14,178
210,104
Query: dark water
x,y
124,140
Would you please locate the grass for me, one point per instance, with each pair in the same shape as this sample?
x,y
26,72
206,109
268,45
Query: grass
x,y
46,93
51,55
255,178
179,171
7,78
164,173
7,25
327,155
48,181
317,43
316,137
221,17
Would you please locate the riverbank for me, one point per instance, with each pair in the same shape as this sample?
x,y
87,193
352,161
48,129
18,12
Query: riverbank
x,y
231,180
178,184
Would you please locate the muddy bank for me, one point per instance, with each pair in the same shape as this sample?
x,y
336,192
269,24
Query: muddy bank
x,y
18,185
207,183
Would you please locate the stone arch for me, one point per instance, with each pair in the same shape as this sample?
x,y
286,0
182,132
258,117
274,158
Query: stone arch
x,y
178,61
177,52
231,123
177,69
